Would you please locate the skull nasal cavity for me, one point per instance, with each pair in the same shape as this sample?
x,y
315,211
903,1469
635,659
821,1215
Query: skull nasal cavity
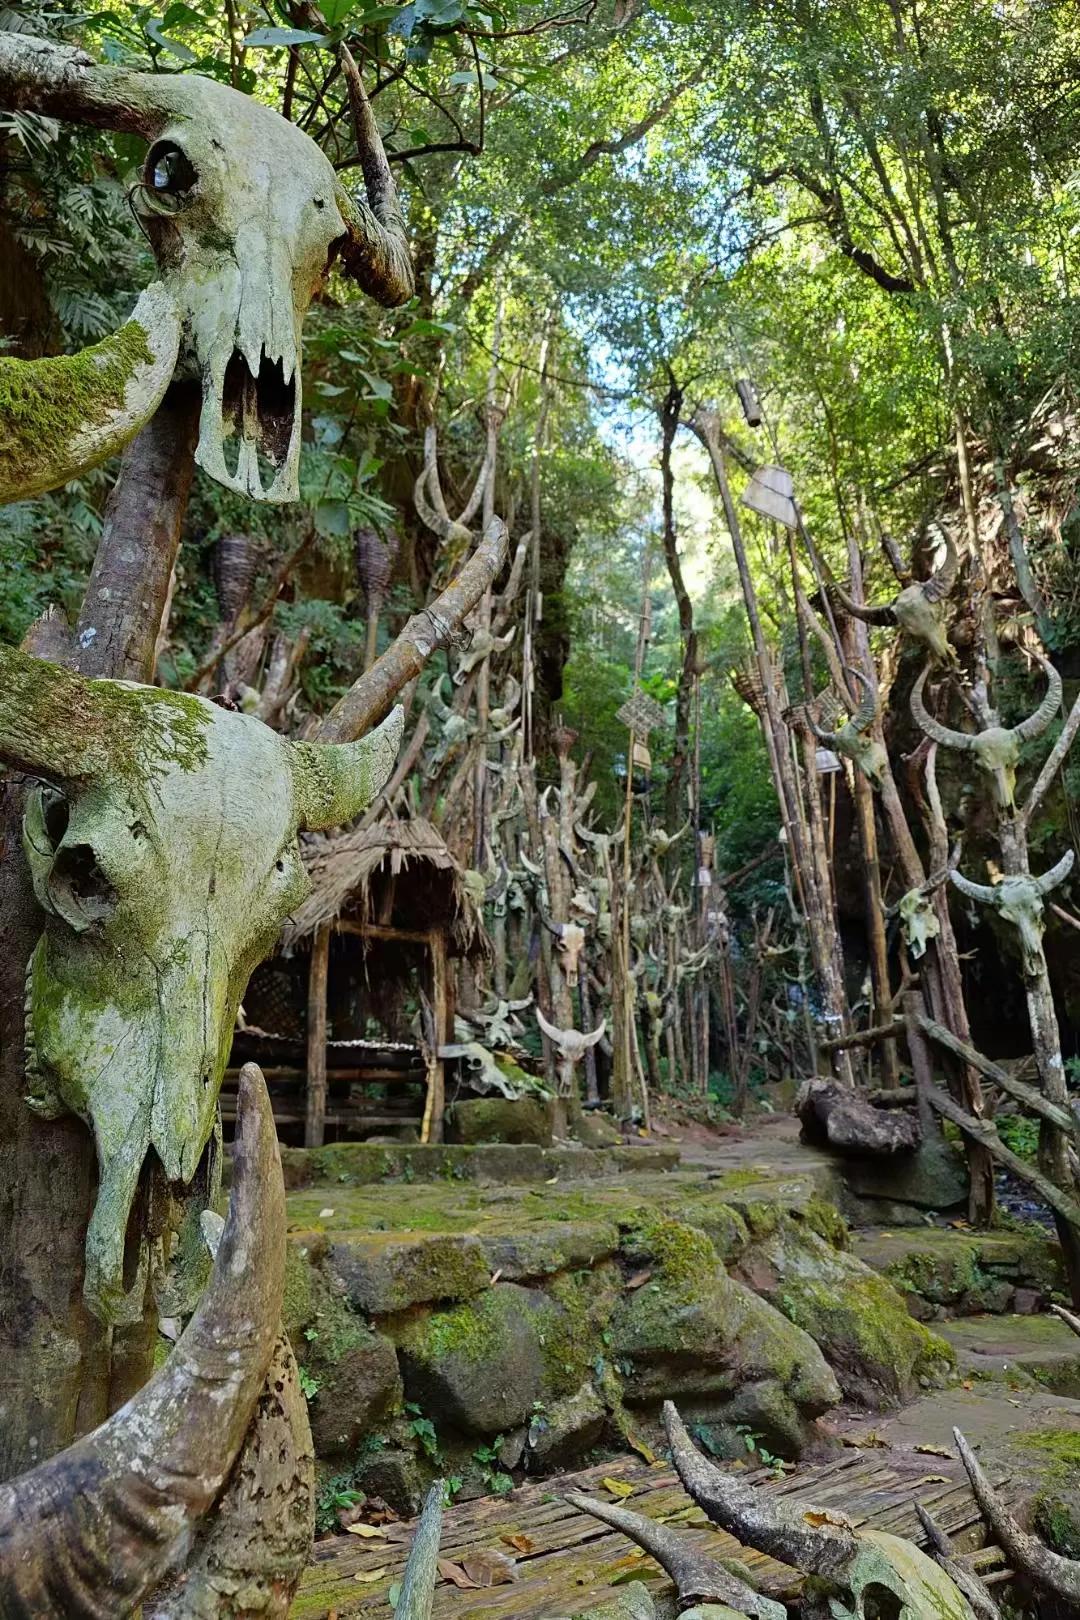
x,y
79,888
881,1604
259,408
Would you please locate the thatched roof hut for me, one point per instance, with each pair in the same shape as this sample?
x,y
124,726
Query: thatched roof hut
x,y
398,874
349,1016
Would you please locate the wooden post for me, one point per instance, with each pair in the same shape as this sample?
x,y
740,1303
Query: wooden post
x,y
315,1122
432,1128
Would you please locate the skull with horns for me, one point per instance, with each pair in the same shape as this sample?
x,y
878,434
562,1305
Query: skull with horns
x,y
245,215
159,900
1019,900
917,608
865,752
996,748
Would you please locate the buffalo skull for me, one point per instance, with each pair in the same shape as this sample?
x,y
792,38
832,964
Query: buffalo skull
x,y
245,215
162,845
1019,900
996,748
917,608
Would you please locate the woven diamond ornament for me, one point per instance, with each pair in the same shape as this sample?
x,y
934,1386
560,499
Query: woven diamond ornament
x,y
641,714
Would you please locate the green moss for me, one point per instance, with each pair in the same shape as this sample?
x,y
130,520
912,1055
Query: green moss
x,y
682,1253
44,404
826,1220
1060,1446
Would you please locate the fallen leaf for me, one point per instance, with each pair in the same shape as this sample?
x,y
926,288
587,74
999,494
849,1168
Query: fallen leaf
x,y
934,1451
368,1575
933,1479
489,1567
864,1442
617,1487
642,1449
520,1543
454,1572
370,1532
325,1214
819,1516
638,1279
967,1384
550,1182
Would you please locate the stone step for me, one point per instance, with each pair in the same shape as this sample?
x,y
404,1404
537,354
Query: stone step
x,y
358,1164
945,1271
1024,1350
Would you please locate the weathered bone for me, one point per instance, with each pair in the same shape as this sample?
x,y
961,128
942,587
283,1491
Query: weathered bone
x,y
771,1526
996,748
88,1533
572,1043
1019,900
915,609
61,417
698,1578
1048,1571
245,215
421,1568
165,866
865,753
962,1578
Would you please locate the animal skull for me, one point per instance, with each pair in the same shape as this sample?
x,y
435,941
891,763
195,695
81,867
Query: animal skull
x,y
163,851
996,748
852,740
918,921
245,215
917,608
571,942
1019,899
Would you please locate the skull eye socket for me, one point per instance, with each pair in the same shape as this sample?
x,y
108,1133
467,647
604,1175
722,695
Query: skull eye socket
x,y
879,1603
169,176
79,889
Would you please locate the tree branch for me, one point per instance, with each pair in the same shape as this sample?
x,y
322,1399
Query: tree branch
x,y
370,698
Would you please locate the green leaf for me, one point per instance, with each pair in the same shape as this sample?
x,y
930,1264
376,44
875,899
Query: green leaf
x,y
378,385
266,38
332,519
153,26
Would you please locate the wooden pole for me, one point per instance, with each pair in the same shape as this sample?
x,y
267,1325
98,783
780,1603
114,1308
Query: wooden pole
x,y
318,973
432,1128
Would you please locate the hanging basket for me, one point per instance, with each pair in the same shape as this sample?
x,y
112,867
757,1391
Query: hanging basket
x,y
375,554
236,561
771,493
749,401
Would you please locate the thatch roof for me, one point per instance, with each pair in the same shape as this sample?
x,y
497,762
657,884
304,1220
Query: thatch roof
x,y
403,867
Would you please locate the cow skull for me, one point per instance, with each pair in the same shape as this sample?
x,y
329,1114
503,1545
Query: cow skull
x,y
1019,900
918,921
570,938
852,740
917,609
245,215
162,846
572,1046
996,748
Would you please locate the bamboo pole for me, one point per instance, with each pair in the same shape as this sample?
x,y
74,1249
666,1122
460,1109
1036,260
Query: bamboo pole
x,y
318,974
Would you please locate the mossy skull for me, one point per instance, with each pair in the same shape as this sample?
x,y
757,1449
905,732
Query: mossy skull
x,y
163,850
1019,900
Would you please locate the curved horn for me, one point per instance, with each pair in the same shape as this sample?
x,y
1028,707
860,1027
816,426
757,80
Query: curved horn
x,y
375,249
864,714
1036,723
941,582
983,892
941,1548
594,1036
933,728
335,781
1045,1569
551,926
698,1578
63,82
758,1521
860,610
92,1530
1057,873
550,1030
421,1568
65,415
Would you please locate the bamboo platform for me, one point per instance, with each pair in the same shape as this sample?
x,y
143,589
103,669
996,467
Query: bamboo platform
x,y
574,1560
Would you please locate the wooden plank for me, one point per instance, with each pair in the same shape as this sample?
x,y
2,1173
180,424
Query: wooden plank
x,y
574,1558
981,1130
315,1121
405,936
1061,1117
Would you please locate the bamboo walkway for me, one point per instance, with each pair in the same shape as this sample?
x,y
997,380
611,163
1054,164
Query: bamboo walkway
x,y
573,1560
